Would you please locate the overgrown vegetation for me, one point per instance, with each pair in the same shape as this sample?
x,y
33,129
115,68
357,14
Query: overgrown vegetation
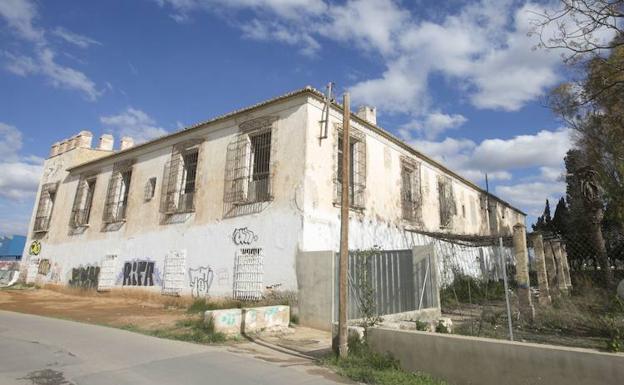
x,y
189,330
366,366
201,305
466,289
366,298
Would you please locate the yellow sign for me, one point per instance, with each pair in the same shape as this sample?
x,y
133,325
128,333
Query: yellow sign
x,y
35,248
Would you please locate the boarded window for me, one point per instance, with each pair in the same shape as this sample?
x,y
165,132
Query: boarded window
x,y
357,174
411,195
446,198
248,174
179,180
45,207
83,201
116,204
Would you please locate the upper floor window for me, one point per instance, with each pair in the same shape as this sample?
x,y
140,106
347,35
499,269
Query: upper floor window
x,y
179,182
83,201
357,169
411,196
116,204
248,174
446,200
45,207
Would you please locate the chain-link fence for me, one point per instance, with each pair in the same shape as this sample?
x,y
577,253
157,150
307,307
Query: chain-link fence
x,y
537,287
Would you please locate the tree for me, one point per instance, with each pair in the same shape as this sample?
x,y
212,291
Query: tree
x,y
544,222
561,217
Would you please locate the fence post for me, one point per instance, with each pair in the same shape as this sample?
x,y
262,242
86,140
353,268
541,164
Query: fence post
x,y
504,264
566,266
522,272
551,269
540,265
560,270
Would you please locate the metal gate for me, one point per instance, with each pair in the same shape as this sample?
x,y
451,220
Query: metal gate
x,y
248,274
106,280
174,272
401,281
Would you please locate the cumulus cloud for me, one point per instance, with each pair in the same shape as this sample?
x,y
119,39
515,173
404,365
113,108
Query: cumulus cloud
x,y
133,123
20,16
434,124
20,175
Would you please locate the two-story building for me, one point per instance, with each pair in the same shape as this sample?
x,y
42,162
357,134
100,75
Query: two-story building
x,y
225,206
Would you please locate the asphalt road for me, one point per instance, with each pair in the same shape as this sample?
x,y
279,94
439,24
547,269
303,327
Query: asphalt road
x,y
38,350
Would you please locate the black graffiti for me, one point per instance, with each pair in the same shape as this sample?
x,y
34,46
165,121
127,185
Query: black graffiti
x,y
85,277
243,236
138,273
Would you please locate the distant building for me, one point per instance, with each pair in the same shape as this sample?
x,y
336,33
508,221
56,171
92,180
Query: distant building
x,y
11,247
226,206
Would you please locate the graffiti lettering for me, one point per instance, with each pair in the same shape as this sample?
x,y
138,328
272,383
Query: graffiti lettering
x,y
200,280
44,267
85,277
243,236
138,273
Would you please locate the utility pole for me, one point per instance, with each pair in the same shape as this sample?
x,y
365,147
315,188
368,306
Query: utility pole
x,y
344,228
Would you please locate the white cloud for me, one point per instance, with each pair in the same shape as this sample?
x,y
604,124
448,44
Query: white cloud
x,y
20,16
19,178
135,124
74,38
257,30
434,124
531,196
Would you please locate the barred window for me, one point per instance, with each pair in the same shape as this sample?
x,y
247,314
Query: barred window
x,y
446,199
248,166
116,203
411,196
45,207
357,174
179,179
83,201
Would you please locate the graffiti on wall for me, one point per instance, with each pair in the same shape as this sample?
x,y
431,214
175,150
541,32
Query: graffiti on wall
x,y
200,280
139,273
35,248
223,276
44,267
244,236
85,277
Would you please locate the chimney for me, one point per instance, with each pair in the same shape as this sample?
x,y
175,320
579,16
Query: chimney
x,y
84,139
54,150
106,142
368,113
126,143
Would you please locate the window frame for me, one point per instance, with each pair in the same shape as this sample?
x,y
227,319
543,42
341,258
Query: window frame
x,y
83,201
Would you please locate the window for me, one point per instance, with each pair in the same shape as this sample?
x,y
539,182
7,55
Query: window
x,y
83,200
150,189
357,169
411,197
45,207
179,182
116,203
248,174
446,201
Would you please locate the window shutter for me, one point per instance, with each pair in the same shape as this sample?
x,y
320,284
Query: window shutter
x,y
171,183
359,171
112,197
76,218
238,160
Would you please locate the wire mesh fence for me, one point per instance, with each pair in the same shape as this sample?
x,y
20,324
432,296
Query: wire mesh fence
x,y
540,287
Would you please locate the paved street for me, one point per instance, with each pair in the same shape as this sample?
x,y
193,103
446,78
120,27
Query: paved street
x,y
38,350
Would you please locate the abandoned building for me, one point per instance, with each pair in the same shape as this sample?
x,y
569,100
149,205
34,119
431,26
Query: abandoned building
x,y
227,206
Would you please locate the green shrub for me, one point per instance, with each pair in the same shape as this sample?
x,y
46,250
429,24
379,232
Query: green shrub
x,y
466,289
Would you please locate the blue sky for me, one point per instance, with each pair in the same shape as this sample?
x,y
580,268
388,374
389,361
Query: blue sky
x,y
460,81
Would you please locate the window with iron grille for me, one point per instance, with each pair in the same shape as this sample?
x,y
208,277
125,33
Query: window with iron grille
x,y
357,174
116,204
179,179
83,201
45,207
446,199
150,189
411,196
248,166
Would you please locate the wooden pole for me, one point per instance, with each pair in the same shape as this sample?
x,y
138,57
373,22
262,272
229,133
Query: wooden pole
x,y
344,228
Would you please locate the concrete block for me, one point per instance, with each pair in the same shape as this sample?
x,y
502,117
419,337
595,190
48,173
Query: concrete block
x,y
226,321
266,318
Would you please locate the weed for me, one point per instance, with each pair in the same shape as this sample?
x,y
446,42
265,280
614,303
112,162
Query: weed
x,y
366,366
189,330
441,328
466,289
422,326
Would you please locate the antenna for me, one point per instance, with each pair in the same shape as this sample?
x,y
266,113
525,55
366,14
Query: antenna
x,y
325,121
